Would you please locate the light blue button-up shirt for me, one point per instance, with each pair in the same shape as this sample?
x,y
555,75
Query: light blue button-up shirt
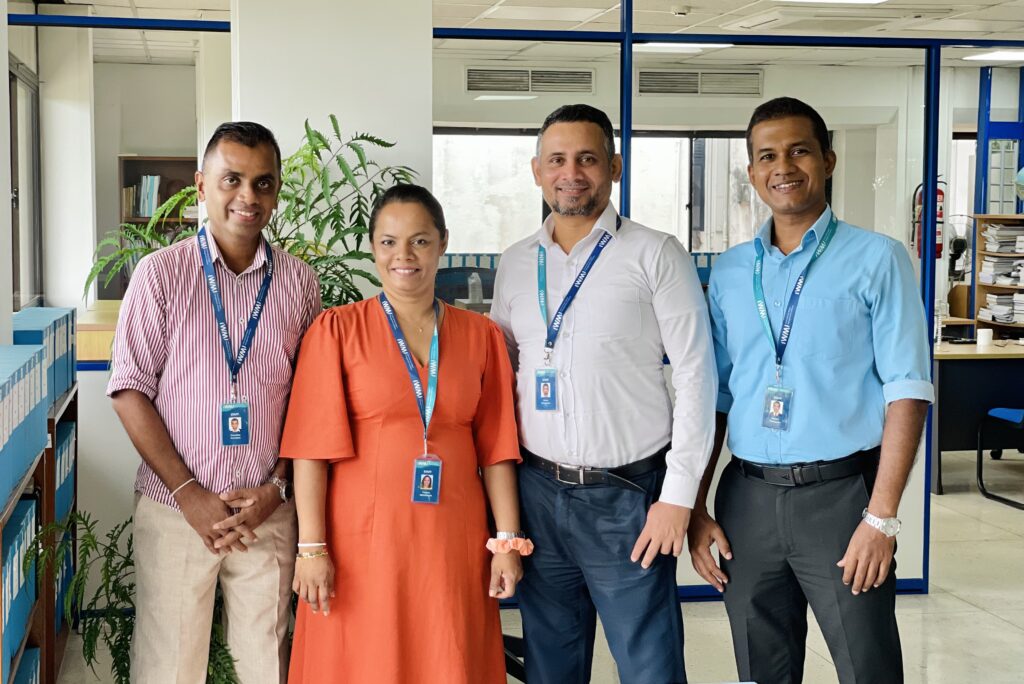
x,y
859,341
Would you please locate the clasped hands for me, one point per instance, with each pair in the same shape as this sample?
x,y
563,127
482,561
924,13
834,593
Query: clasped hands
x,y
221,529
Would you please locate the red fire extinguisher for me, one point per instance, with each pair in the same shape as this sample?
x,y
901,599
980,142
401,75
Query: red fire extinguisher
x,y
940,201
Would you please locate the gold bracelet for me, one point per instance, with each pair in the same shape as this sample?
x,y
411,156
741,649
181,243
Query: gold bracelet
x,y
314,554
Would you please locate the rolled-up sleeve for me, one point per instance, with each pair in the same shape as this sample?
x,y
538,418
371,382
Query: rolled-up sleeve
x,y
686,334
140,339
899,330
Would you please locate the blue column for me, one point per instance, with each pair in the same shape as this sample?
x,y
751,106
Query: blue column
x,y
626,104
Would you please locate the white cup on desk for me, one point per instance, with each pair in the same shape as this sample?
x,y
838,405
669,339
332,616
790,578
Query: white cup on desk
x,y
984,337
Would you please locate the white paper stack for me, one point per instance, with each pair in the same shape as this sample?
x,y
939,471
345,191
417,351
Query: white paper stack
x,y
1001,238
1018,308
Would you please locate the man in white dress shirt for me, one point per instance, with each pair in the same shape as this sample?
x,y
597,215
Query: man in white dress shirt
x,y
590,305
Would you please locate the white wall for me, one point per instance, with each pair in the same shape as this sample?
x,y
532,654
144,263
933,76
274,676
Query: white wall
x,y
68,169
144,109
6,256
366,62
22,39
213,86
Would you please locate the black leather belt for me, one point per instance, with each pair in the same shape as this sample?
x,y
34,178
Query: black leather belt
x,y
800,474
621,476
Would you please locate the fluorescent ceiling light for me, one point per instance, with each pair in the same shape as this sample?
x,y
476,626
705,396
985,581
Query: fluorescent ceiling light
x,y
679,47
999,56
504,98
837,2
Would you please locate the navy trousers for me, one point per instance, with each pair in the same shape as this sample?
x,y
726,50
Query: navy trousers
x,y
581,569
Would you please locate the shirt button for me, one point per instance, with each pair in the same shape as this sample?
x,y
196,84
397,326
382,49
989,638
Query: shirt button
x,y
242,319
777,303
564,374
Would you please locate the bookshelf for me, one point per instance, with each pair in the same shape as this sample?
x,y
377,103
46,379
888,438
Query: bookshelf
x,y
982,290
174,174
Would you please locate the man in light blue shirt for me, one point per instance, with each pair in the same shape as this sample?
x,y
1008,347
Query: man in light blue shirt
x,y
824,383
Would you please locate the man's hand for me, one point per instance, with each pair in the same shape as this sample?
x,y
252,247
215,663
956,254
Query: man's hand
x,y
704,532
254,504
868,558
506,571
663,533
203,510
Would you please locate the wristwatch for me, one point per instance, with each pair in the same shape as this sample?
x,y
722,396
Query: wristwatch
x,y
890,527
283,486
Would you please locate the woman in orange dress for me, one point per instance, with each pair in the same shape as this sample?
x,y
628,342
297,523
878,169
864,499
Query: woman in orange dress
x,y
398,404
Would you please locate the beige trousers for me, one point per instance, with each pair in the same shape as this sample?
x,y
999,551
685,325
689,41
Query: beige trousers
x,y
175,579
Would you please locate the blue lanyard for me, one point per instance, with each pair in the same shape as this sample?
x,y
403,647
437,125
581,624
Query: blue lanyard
x,y
426,407
779,348
234,362
542,288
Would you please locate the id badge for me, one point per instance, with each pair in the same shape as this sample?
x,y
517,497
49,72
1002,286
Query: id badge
x,y
778,408
547,389
234,424
426,479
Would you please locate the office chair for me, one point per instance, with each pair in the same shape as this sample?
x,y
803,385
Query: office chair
x,y
997,416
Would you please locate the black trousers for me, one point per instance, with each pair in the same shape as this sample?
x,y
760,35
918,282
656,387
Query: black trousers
x,y
786,542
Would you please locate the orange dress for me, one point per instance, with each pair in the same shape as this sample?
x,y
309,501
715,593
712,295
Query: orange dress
x,y
411,579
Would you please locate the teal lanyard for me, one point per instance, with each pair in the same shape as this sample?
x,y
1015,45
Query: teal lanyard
x,y
779,347
426,407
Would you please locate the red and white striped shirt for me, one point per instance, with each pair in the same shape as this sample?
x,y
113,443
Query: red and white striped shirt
x,y
167,347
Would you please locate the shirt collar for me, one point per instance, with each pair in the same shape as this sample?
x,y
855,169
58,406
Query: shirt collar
x,y
812,236
257,262
606,222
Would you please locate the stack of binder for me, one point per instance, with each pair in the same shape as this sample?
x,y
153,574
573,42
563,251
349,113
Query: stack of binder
x,y
19,585
23,409
54,328
65,484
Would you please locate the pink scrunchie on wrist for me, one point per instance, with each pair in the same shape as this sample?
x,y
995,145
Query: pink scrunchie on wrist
x,y
523,546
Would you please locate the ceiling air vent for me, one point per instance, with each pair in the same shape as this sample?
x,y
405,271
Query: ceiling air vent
x,y
498,80
489,80
561,81
698,82
669,82
730,83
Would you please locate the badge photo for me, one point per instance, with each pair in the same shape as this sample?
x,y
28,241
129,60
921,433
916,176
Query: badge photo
x,y
426,479
234,424
547,389
778,406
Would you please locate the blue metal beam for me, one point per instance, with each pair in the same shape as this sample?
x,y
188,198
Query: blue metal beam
x,y
1020,134
626,106
531,35
66,21
929,208
823,41
981,161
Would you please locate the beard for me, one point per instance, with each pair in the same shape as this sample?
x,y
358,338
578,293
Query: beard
x,y
575,208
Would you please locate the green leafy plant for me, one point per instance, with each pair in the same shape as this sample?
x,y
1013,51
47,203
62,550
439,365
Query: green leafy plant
x,y
328,187
108,616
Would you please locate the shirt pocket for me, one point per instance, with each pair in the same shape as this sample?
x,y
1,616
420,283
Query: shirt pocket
x,y
276,347
828,328
612,312
527,324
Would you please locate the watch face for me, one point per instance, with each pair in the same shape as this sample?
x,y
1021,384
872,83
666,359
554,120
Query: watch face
x,y
891,527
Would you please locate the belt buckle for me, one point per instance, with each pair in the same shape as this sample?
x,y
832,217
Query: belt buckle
x,y
798,474
578,470
782,477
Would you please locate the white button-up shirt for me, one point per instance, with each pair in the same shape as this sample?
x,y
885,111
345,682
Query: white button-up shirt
x,y
641,301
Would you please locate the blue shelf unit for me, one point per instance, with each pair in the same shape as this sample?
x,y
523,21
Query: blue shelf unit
x,y
64,497
19,583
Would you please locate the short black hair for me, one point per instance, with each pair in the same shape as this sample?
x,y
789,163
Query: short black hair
x,y
407,192
248,133
582,112
782,107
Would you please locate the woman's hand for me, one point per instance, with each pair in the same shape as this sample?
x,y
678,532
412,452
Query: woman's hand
x,y
506,571
314,582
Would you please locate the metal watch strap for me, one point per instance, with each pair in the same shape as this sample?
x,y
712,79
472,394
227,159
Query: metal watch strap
x,y
282,486
883,525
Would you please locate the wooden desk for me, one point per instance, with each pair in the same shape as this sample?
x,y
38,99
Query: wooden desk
x,y
970,380
95,334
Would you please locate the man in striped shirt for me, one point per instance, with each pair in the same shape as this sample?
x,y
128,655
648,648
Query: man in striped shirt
x,y
203,359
